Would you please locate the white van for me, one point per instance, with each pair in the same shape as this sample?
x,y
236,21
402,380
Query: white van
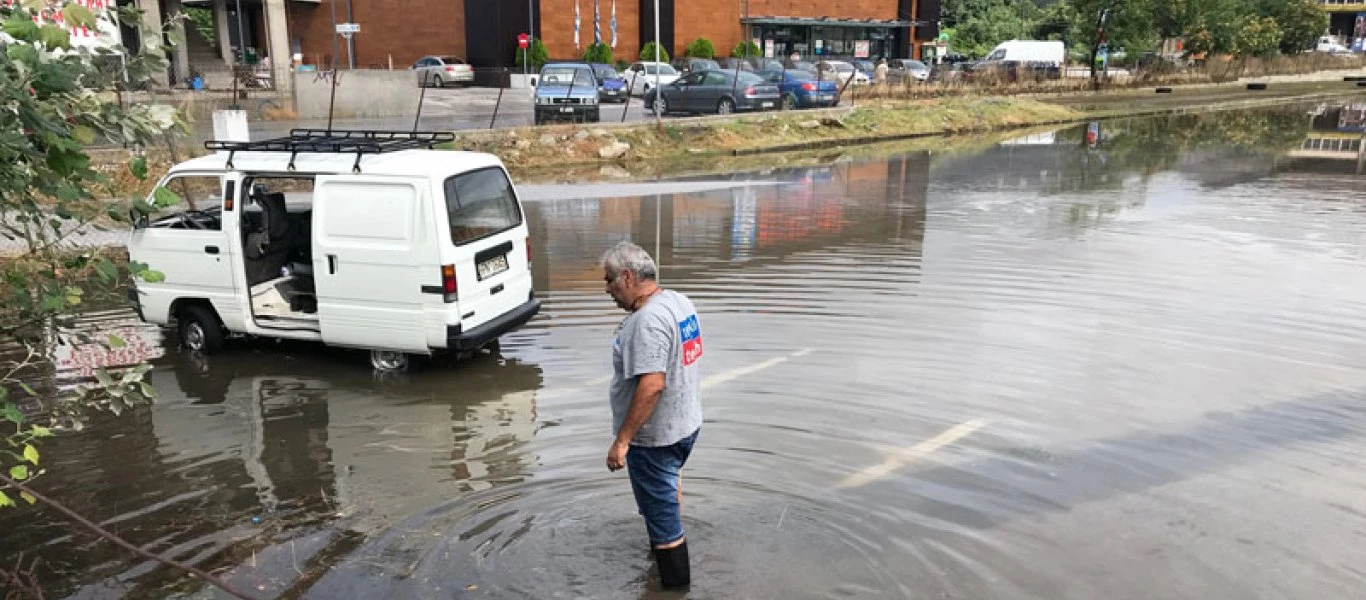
x,y
1330,44
1040,53
369,240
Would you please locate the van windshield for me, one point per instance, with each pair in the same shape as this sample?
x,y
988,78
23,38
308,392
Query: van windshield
x,y
480,204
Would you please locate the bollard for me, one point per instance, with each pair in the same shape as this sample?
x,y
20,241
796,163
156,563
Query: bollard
x,y
499,102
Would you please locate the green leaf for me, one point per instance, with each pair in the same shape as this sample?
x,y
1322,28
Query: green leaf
x,y
83,134
18,472
147,390
108,272
151,276
165,198
116,342
20,28
5,501
30,453
144,208
27,389
54,37
28,497
12,414
138,167
34,5
40,431
102,376
21,53
75,14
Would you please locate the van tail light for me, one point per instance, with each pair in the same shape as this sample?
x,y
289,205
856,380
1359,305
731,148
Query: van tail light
x,y
528,251
448,285
809,86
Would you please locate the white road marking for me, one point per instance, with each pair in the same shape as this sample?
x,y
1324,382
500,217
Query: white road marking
x,y
738,372
904,456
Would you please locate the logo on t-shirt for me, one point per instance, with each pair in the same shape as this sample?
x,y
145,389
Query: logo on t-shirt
x,y
691,334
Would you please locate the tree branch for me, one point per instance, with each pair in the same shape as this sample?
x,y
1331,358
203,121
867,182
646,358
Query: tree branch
x,y
100,531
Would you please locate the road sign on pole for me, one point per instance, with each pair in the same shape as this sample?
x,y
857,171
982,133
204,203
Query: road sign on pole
x,y
523,41
348,28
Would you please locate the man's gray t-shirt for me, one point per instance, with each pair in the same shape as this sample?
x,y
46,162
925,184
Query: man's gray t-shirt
x,y
664,336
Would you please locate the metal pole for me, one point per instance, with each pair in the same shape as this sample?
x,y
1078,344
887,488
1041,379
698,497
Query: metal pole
x,y
1361,156
335,48
241,36
658,92
530,38
350,43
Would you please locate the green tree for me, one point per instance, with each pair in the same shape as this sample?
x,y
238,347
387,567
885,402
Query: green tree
x,y
993,22
1301,23
1207,25
746,49
1257,36
57,101
536,55
700,48
648,53
1119,24
202,18
598,53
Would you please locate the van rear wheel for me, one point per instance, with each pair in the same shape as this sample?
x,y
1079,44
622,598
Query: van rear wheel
x,y
200,330
388,360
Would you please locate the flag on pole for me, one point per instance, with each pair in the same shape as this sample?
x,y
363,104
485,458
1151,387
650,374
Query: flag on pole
x,y
614,23
576,24
597,31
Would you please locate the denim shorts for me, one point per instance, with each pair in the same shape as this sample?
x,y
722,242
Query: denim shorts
x,y
654,480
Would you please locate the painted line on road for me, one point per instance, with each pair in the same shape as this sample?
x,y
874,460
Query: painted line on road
x,y
901,457
736,373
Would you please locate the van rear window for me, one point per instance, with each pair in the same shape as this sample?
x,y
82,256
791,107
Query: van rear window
x,y
480,204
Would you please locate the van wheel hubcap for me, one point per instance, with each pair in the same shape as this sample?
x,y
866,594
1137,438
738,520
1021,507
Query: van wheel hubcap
x,y
194,336
386,360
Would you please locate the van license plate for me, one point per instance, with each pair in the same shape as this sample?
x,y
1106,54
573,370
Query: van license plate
x,y
492,266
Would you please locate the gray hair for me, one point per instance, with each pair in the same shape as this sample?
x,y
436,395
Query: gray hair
x,y
626,256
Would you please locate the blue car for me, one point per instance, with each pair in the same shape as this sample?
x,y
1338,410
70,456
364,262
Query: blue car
x,y
611,85
801,89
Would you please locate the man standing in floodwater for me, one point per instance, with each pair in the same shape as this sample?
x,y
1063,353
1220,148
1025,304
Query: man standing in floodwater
x,y
656,399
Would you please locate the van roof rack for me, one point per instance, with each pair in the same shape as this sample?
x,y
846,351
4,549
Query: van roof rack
x,y
360,142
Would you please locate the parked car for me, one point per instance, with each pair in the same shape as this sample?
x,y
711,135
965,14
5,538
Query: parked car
x,y
904,70
437,71
841,72
955,72
721,92
690,64
730,63
865,66
800,89
611,85
566,92
801,65
640,78
399,249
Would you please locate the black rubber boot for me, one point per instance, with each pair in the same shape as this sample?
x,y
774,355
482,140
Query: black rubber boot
x,y
674,571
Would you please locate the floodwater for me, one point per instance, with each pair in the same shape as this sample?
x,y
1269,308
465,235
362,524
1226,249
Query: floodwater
x,y
1126,361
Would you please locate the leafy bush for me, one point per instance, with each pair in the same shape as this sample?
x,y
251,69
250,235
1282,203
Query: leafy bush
x,y
701,48
598,53
648,53
746,49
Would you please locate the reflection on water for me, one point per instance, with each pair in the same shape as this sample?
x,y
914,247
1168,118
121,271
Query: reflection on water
x,y
1077,364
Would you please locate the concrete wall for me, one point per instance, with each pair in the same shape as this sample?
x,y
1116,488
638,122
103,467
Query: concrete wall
x,y
359,94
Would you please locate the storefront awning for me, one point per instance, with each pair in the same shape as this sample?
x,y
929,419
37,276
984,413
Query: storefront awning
x,y
827,22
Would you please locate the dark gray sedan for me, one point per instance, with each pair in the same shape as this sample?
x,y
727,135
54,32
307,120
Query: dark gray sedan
x,y
717,92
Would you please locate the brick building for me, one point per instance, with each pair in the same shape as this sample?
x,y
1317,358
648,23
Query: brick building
x,y
485,31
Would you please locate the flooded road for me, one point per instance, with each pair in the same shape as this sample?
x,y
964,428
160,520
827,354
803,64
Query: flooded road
x,y
1120,361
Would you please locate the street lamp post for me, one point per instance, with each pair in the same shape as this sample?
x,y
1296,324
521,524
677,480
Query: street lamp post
x,y
659,93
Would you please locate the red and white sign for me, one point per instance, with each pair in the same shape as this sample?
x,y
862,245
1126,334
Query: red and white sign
x,y
523,40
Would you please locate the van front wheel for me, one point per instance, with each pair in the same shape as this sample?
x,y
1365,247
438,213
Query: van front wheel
x,y
388,360
200,330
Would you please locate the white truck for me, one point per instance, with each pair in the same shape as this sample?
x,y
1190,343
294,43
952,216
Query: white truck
x,y
1038,53
369,240
1331,45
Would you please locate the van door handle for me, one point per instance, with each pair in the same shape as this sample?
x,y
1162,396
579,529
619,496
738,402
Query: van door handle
x,y
211,249
331,264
